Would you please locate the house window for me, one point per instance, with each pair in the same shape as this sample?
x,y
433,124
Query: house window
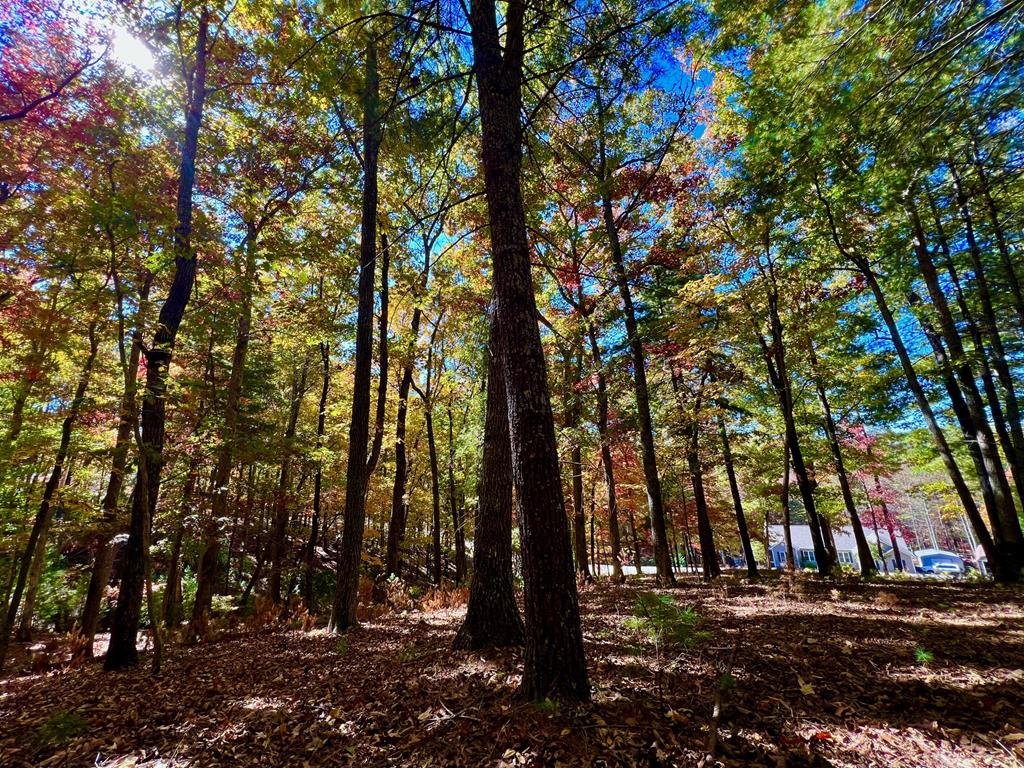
x,y
807,556
845,557
780,559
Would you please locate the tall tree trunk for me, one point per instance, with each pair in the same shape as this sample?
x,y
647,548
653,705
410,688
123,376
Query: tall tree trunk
x,y
890,526
655,500
1013,448
346,593
878,536
737,501
382,358
36,545
572,410
314,528
554,663
457,525
435,492
634,531
1009,269
975,423
993,494
399,503
103,560
579,517
990,327
787,527
492,616
279,528
122,651
778,374
867,563
210,559
1003,566
28,606
708,551
172,609
614,537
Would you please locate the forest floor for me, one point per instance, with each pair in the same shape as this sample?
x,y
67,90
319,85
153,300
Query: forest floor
x,y
804,674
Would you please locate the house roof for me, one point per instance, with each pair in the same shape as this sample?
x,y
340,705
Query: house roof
x,y
843,535
930,552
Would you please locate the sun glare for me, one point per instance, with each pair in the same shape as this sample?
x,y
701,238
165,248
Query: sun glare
x,y
131,52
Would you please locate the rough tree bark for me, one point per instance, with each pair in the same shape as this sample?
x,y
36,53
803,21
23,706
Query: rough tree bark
x,y
492,617
346,593
554,663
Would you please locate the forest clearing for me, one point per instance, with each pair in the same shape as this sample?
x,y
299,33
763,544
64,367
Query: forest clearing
x,y
894,674
512,382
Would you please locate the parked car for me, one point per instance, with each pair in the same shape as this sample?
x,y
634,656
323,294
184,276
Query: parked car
x,y
939,562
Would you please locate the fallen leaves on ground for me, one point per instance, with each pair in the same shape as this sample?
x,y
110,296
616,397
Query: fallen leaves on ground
x,y
819,676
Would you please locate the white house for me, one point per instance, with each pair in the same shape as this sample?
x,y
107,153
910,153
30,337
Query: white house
x,y
846,548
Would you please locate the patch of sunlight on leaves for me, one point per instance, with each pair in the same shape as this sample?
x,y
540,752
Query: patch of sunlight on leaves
x,y
257,703
923,656
659,617
61,727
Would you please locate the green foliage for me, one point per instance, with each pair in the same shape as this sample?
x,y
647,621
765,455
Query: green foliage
x,y
664,621
548,706
61,592
61,727
923,656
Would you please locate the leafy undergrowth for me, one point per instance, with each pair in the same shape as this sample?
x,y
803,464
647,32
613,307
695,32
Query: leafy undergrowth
x,y
891,674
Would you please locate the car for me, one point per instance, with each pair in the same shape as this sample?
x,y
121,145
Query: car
x,y
937,562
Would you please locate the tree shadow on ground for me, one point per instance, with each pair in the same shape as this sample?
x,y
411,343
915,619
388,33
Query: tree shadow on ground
x,y
818,675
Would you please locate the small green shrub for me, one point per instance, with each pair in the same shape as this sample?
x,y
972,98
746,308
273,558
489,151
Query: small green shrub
x,y
223,604
923,656
548,706
726,682
661,619
62,726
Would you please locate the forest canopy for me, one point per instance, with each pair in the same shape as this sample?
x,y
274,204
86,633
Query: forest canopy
x,y
315,312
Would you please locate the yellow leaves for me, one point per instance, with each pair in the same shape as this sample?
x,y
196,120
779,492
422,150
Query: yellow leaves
x,y
706,290
677,717
805,688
